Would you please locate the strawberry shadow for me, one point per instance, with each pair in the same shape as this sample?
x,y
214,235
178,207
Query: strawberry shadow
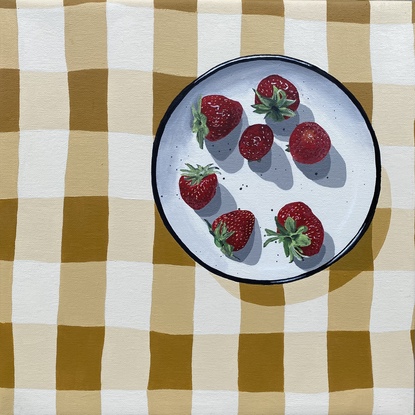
x,y
225,152
222,202
251,252
329,172
282,130
274,167
326,254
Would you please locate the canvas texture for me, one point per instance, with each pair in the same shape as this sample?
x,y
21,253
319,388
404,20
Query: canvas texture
x,y
101,311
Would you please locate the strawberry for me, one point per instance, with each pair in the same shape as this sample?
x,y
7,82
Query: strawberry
x,y
299,230
256,141
198,185
231,231
309,143
276,97
215,117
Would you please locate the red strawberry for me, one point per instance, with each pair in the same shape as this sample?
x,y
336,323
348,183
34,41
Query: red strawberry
x,y
309,143
299,230
276,97
256,141
231,231
215,117
198,185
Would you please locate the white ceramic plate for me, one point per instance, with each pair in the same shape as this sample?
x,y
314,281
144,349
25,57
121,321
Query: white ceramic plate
x,y
342,190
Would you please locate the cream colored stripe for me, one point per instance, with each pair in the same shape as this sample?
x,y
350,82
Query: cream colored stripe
x,y
173,299
87,166
215,362
390,12
7,400
349,305
9,150
305,362
173,289
125,360
128,112
262,308
9,57
39,229
35,356
6,281
392,360
404,96
267,402
131,230
401,228
82,294
262,34
348,47
357,401
162,402
175,42
216,7
81,312
257,318
86,43
78,402
9,166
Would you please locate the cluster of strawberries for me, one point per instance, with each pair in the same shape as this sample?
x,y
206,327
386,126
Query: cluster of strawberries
x,y
298,229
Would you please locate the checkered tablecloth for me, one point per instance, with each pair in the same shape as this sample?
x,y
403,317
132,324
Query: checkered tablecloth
x,y
101,312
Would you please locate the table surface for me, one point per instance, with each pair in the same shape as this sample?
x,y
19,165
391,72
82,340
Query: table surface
x,y
101,312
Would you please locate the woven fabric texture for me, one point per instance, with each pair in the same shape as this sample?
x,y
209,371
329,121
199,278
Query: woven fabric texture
x,y
101,312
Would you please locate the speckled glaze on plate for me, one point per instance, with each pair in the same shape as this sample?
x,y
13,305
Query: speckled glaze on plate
x,y
342,189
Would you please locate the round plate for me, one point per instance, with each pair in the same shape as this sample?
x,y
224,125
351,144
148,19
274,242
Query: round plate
x,y
342,190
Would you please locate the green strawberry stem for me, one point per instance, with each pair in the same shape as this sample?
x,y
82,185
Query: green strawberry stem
x,y
196,174
292,238
199,123
276,107
220,235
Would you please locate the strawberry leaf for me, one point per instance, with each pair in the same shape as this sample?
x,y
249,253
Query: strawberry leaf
x,y
220,235
196,174
287,112
287,250
274,237
275,107
292,238
290,225
199,123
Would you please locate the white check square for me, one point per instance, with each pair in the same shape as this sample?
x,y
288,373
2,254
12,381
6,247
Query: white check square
x,y
128,298
393,401
42,39
34,402
35,295
213,46
125,402
130,37
42,163
129,177
214,402
393,301
309,403
398,161
307,316
307,40
216,311
392,54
